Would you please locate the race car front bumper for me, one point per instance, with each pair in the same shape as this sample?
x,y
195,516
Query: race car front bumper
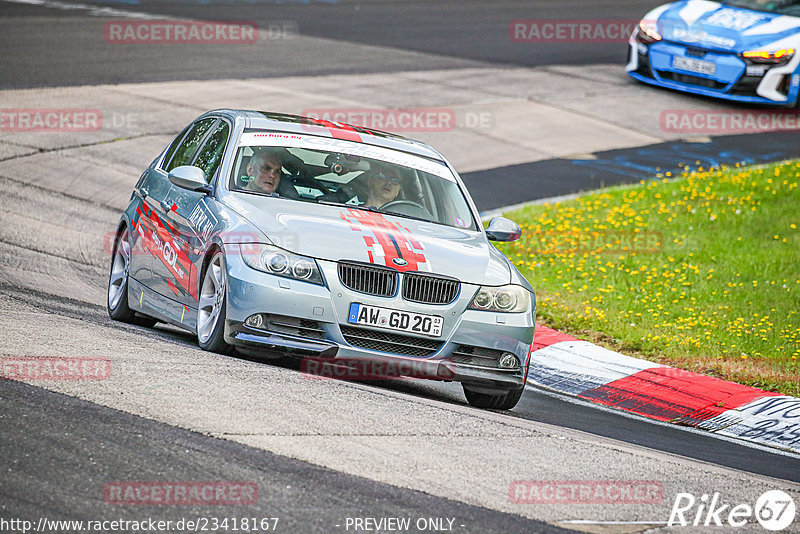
x,y
310,321
733,78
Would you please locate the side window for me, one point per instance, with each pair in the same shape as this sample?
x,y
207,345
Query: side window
x,y
173,146
187,148
210,155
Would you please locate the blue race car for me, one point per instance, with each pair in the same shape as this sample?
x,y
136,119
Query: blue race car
x,y
742,50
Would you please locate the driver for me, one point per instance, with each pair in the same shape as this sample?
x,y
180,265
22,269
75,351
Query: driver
x,y
383,186
265,169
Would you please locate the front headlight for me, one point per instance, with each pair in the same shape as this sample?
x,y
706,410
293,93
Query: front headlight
x,y
509,299
774,57
648,32
273,260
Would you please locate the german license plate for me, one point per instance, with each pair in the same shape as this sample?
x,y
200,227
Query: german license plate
x,y
693,65
413,323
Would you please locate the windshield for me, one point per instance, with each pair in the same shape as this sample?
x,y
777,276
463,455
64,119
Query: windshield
x,y
785,7
394,183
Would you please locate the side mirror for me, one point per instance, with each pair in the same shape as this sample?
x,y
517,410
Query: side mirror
x,y
191,178
502,229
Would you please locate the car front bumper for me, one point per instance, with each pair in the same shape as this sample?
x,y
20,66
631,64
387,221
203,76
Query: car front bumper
x,y
773,86
310,321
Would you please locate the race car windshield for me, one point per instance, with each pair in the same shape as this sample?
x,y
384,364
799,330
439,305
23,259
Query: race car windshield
x,y
786,7
328,177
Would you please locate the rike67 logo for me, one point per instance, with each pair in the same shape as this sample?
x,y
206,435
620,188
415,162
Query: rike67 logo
x,y
775,510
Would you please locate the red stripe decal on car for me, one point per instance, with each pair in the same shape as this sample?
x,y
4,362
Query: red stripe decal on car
x,y
174,288
387,241
339,131
157,239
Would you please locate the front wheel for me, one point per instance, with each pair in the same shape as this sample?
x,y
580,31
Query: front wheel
x,y
211,307
117,302
501,401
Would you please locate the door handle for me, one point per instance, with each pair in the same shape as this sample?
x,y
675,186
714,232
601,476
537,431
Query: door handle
x,y
167,205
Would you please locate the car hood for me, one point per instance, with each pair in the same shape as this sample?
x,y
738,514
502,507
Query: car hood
x,y
343,233
713,25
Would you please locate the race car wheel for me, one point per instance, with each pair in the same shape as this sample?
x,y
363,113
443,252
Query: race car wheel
x,y
502,401
117,302
211,307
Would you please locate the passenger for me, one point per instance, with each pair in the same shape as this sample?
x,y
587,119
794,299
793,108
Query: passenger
x,y
382,187
265,171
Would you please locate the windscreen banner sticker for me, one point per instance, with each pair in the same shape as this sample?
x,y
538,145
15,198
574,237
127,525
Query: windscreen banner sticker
x,y
387,243
329,144
159,241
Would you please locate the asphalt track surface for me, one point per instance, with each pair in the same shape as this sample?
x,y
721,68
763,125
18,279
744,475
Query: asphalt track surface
x,y
61,472
53,441
448,33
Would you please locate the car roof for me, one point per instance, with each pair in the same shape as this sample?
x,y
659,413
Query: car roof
x,y
267,120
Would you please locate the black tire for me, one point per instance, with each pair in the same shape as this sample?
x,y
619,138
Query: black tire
x,y
501,401
210,337
117,294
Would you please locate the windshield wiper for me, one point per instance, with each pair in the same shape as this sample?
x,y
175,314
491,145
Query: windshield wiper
x,y
345,205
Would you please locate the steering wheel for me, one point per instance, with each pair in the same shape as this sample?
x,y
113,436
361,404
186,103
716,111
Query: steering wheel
x,y
407,207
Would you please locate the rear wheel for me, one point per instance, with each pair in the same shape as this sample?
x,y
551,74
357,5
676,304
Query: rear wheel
x,y
211,307
500,401
117,302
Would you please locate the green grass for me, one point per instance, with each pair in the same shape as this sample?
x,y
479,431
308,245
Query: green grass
x,y
700,271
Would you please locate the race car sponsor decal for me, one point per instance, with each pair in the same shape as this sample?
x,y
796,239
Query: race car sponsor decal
x,y
701,36
203,220
345,146
158,238
735,19
388,243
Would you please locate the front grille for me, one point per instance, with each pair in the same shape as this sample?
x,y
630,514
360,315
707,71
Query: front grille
x,y
428,289
390,342
293,326
469,355
371,280
689,79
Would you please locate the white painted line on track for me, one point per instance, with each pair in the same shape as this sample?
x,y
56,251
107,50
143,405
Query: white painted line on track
x,y
585,403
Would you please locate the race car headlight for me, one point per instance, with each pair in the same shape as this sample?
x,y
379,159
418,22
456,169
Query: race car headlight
x,y
509,299
648,32
774,57
274,260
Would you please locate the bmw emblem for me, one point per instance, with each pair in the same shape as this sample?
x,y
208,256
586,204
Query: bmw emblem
x,y
400,262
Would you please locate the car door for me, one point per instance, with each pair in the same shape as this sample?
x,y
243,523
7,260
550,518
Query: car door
x,y
193,216
142,261
170,267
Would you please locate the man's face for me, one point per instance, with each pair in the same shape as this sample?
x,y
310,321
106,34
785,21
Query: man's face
x,y
266,173
385,185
